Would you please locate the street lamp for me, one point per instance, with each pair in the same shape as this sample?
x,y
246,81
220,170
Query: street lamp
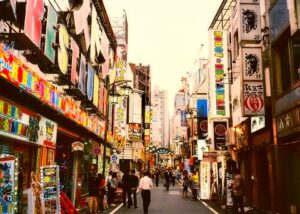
x,y
113,95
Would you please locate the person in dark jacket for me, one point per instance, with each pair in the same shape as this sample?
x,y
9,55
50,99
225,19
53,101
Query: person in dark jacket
x,y
93,191
126,188
157,174
134,186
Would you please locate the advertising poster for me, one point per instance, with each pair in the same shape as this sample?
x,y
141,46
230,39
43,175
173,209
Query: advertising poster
x,y
50,189
229,186
204,180
7,185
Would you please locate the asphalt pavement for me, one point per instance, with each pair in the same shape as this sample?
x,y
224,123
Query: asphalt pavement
x,y
163,201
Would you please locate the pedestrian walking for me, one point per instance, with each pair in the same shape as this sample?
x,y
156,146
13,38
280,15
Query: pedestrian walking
x,y
126,185
109,190
134,185
185,185
114,183
93,191
173,177
145,187
168,176
194,185
101,192
157,174
238,192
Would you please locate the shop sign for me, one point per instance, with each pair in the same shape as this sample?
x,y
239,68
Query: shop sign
x,y
134,131
202,107
17,73
77,146
50,188
201,144
257,123
250,29
220,90
183,118
7,185
13,121
147,114
220,128
203,127
205,180
252,64
47,132
288,120
253,98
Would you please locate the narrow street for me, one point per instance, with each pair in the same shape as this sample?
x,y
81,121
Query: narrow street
x,y
167,202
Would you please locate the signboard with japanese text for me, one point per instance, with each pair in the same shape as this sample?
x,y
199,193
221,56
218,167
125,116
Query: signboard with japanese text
x,y
205,170
236,100
134,131
257,123
287,121
252,64
219,90
203,127
47,132
253,98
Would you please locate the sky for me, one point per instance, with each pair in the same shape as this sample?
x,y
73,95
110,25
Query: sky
x,y
167,35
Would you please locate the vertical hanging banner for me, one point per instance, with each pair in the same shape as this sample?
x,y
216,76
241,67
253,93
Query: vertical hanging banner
x,y
253,98
183,119
219,89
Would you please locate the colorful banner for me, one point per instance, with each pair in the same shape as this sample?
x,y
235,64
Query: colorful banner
x,y
17,73
7,185
204,180
134,131
219,96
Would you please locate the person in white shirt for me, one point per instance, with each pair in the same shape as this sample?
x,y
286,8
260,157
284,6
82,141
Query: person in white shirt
x,y
145,187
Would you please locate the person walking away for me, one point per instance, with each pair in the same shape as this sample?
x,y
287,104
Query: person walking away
x,y
145,187
194,185
134,185
157,174
167,176
109,190
101,193
126,185
114,183
185,185
93,191
238,192
173,177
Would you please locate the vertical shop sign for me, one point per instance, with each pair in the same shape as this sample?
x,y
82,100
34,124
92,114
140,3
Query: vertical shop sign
x,y
205,180
218,55
33,20
7,185
96,91
253,98
47,132
219,134
50,188
203,127
183,119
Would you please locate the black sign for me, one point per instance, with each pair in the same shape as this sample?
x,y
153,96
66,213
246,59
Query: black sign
x,y
220,128
202,127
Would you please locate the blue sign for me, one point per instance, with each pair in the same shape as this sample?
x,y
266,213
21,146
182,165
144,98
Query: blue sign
x,y
202,107
114,157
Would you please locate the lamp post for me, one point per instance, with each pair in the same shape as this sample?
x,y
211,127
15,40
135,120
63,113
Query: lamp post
x,y
113,97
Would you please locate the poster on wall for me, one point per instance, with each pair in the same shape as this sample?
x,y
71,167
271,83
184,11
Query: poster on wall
x,y
7,185
47,132
220,128
50,189
252,64
229,186
204,180
253,98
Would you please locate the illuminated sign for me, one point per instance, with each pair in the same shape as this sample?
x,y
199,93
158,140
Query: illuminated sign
x,y
95,36
90,82
96,91
82,75
75,61
257,123
16,72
